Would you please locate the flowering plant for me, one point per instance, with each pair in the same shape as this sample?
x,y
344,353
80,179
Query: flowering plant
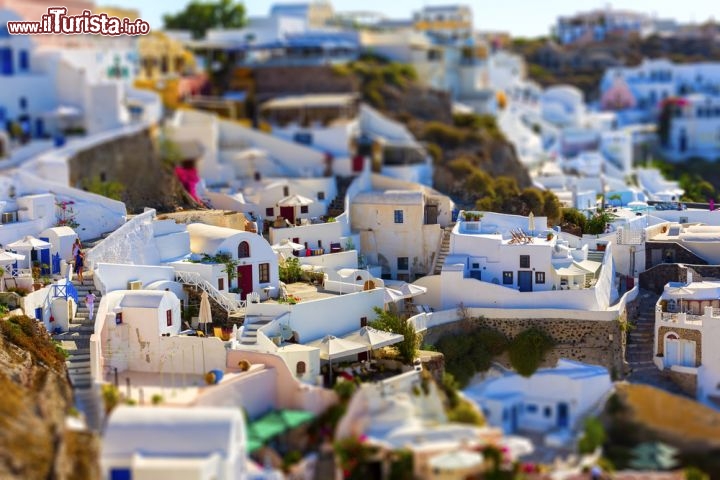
x,y
352,453
66,214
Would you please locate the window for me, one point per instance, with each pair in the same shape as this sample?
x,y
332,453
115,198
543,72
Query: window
x,y
303,209
221,284
321,195
168,317
398,216
363,322
531,408
524,261
475,266
507,278
270,212
244,250
402,263
264,272
548,412
539,277
24,61
300,369
286,191
23,103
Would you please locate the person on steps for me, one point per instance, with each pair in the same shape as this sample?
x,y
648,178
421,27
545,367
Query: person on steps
x,y
90,303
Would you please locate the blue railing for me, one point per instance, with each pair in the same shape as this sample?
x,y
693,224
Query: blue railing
x,y
65,291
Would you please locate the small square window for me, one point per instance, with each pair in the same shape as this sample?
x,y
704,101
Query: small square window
x,y
221,284
398,216
548,412
531,408
303,209
321,196
168,317
402,263
507,278
363,322
270,212
286,191
475,266
524,261
264,276
539,277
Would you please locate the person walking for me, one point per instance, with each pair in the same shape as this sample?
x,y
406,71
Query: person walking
x,y
90,304
76,248
79,264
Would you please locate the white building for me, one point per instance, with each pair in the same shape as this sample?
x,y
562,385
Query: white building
x,y
555,398
446,23
508,261
201,443
687,328
694,128
597,25
257,263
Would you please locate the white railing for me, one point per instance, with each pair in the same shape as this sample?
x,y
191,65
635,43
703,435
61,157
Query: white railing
x,y
227,302
682,318
125,244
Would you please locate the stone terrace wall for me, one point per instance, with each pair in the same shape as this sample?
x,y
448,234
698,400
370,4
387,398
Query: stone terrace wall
x,y
273,81
678,253
657,277
589,341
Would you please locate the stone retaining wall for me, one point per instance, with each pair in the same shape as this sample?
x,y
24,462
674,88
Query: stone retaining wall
x,y
594,342
686,381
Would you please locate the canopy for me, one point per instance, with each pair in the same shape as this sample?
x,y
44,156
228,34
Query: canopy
x,y
392,295
29,242
456,460
404,289
332,347
287,244
275,423
9,257
374,338
572,270
294,201
589,265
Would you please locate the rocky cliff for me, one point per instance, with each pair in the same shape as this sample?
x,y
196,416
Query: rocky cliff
x,y
134,164
36,398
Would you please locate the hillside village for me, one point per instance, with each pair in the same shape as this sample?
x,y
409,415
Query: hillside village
x,y
320,244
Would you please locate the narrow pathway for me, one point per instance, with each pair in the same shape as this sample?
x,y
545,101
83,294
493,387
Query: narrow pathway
x,y
76,341
639,353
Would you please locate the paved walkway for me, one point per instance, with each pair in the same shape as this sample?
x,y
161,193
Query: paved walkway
x,y
639,353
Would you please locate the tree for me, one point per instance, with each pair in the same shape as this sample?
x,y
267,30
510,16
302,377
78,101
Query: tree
x,y
200,16
391,322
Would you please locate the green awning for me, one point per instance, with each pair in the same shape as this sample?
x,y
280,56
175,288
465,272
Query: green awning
x,y
253,444
277,422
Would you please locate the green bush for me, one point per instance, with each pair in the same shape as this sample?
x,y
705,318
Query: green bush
x,y
444,135
391,322
401,465
469,353
593,436
289,270
345,390
528,349
109,189
28,334
466,412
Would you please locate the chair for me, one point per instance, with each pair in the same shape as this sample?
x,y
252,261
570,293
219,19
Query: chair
x,y
253,297
218,332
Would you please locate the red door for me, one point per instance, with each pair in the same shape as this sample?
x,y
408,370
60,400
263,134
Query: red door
x,y
357,163
288,213
245,282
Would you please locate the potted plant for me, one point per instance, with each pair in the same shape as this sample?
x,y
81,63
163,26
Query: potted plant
x,y
549,236
36,269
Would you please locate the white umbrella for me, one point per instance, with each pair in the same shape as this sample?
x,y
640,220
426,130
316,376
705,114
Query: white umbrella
x,y
374,338
680,291
29,242
294,201
205,312
531,222
392,295
458,460
332,347
10,257
287,244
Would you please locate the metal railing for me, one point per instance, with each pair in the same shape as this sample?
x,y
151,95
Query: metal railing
x,y
228,303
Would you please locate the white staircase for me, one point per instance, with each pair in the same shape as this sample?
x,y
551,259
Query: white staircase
x,y
234,307
250,332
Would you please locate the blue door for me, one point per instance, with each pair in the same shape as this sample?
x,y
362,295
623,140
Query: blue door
x,y
525,281
55,263
39,127
6,61
562,415
45,258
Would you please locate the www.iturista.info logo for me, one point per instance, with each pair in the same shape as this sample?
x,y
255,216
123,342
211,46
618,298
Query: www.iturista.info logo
x,y
58,21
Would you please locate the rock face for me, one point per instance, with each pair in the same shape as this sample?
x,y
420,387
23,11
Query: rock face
x,y
135,163
36,398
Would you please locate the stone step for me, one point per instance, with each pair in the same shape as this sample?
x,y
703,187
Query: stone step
x,y
78,358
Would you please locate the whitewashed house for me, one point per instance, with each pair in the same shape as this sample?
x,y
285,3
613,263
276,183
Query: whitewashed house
x,y
687,328
551,399
257,263
200,443
694,127
508,261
